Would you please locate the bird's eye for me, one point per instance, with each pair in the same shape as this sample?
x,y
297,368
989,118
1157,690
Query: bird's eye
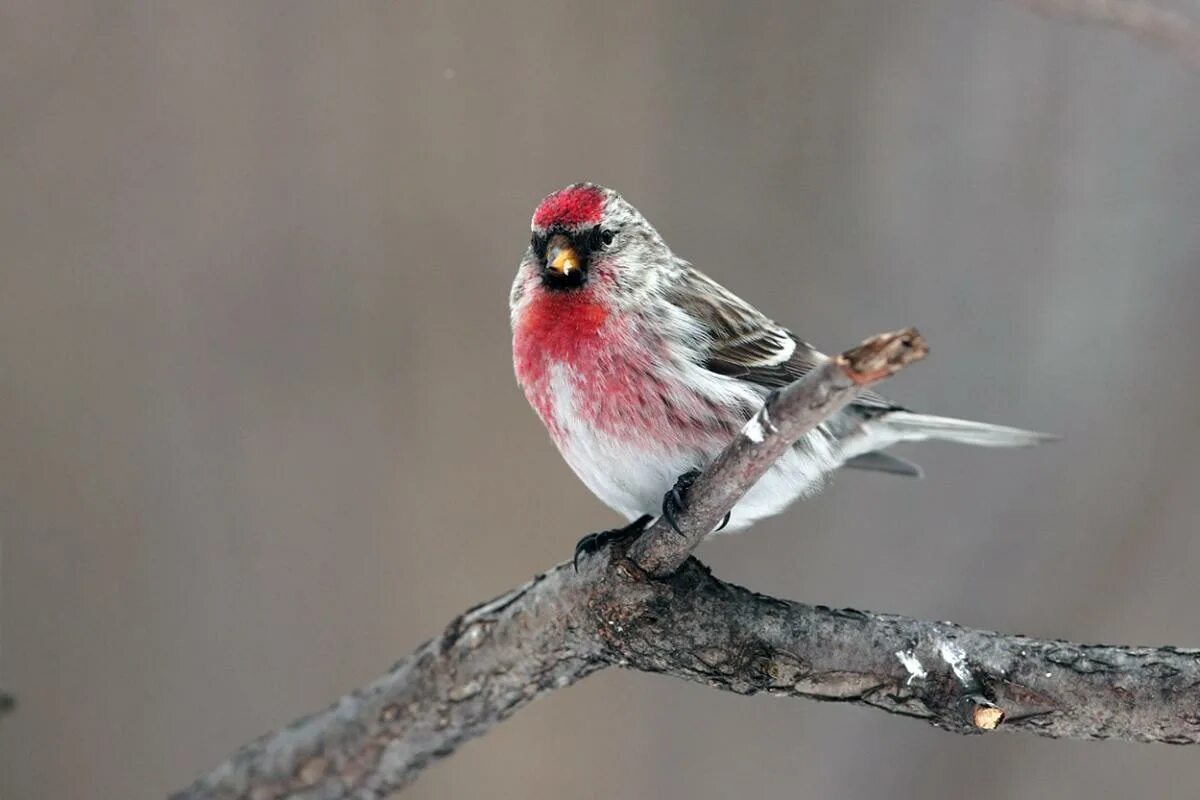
x,y
538,243
599,237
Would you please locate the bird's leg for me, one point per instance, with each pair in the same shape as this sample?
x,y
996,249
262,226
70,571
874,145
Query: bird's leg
x,y
598,541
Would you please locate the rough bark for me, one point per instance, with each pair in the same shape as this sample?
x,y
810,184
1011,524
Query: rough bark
x,y
489,662
692,625
646,605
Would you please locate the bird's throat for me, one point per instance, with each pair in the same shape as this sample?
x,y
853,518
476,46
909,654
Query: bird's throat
x,y
559,325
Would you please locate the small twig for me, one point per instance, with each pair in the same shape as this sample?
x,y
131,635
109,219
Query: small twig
x,y
1154,24
786,416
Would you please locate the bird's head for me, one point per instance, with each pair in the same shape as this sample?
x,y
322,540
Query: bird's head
x,y
587,237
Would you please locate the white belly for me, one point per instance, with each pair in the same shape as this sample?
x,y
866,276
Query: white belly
x,y
632,477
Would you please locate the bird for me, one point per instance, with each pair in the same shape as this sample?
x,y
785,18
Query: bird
x,y
642,369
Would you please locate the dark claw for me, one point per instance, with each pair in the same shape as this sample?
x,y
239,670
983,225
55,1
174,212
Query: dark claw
x,y
595,542
588,545
675,500
724,522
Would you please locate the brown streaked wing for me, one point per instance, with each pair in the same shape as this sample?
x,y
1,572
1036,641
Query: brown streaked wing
x,y
745,344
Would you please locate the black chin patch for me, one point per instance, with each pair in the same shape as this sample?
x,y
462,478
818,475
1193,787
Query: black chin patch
x,y
560,282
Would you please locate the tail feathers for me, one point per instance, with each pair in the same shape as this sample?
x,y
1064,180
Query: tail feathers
x,y
916,427
879,461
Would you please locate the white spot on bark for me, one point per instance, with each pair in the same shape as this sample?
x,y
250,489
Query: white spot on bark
x,y
911,663
759,426
954,656
469,689
397,756
473,636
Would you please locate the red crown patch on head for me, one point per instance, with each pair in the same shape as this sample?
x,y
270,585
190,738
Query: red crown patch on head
x,y
575,205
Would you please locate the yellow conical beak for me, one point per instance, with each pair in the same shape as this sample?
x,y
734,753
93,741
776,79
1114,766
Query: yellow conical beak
x,y
561,257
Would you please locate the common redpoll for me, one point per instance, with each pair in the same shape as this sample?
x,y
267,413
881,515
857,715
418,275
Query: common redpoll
x,y
642,368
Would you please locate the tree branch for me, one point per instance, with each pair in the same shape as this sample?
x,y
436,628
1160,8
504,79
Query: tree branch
x,y
645,605
1152,23
692,625
487,664
787,415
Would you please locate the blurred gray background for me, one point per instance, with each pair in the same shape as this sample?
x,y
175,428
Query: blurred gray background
x,y
261,435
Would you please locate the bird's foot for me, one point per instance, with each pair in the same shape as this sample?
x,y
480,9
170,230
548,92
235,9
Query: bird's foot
x,y
594,542
675,501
